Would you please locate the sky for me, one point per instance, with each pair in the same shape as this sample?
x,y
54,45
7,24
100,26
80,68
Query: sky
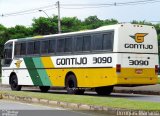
x,y
127,13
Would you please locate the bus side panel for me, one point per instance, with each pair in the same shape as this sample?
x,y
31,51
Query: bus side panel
x,y
86,77
5,76
96,77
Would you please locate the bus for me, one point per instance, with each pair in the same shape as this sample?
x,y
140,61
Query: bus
x,y
98,59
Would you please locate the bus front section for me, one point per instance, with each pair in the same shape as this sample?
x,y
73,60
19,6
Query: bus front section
x,y
6,61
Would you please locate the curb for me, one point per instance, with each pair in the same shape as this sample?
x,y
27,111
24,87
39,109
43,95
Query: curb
x,y
75,106
137,92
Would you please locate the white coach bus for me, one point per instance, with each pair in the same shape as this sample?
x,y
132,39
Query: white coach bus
x,y
116,55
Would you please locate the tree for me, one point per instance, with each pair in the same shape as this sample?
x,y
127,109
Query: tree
x,y
4,35
70,24
19,31
92,22
110,22
45,26
141,22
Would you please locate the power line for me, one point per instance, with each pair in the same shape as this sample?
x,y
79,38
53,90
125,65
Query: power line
x,y
142,1
29,11
80,6
24,13
83,6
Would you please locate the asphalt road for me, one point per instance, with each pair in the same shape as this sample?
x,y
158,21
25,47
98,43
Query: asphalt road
x,y
11,108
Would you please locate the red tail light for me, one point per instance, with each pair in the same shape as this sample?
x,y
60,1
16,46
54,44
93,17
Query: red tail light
x,y
118,68
156,69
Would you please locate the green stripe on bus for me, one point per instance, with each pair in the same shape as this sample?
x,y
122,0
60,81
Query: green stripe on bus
x,y
41,71
32,71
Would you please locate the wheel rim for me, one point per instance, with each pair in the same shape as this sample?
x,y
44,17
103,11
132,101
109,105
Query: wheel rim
x,y
71,84
14,82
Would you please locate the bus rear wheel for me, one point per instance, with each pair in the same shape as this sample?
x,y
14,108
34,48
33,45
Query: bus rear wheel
x,y
14,83
104,90
71,85
44,89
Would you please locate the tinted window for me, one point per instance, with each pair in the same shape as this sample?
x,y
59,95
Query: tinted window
x,y
97,42
60,45
37,47
44,47
23,49
79,44
7,54
68,44
30,48
108,41
52,46
87,43
17,49
8,51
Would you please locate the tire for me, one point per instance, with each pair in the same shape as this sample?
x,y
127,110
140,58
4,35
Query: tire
x,y
14,83
80,91
44,89
104,90
71,85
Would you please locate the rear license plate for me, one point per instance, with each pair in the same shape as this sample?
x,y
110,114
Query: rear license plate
x,y
138,71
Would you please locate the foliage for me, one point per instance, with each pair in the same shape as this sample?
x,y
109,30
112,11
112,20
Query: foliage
x,y
4,35
70,24
92,22
44,26
19,31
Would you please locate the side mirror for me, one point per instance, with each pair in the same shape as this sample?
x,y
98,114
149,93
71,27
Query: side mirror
x,y
2,62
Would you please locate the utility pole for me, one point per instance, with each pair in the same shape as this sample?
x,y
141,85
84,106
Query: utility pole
x,y
59,18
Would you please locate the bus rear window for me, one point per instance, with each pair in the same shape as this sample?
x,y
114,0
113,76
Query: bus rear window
x,y
97,42
44,47
102,42
30,48
87,43
17,49
60,45
107,42
68,44
52,46
79,43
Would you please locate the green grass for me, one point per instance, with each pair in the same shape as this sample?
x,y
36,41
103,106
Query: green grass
x,y
158,79
91,100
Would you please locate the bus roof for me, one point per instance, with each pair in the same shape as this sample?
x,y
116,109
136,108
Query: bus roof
x,y
102,28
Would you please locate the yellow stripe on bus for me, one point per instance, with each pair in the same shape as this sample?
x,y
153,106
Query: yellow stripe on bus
x,y
48,65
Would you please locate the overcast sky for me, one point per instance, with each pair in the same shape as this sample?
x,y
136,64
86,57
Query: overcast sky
x,y
148,12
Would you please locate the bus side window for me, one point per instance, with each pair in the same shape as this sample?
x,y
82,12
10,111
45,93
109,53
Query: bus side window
x,y
97,42
30,48
44,47
7,54
87,43
79,43
23,49
68,44
52,46
37,47
17,49
60,45
107,41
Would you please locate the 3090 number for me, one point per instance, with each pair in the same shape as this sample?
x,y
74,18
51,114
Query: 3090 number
x,y
139,62
100,60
